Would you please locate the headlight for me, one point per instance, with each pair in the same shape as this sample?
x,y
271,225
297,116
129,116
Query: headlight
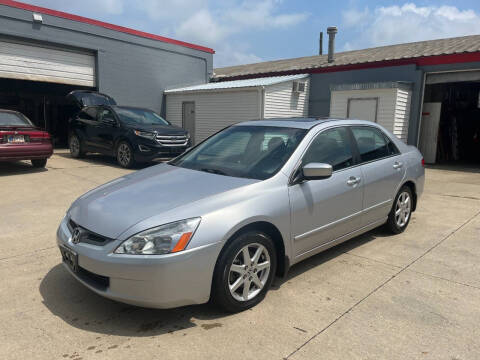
x,y
164,239
145,134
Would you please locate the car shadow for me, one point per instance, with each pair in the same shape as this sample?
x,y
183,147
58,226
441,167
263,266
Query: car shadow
x,y
100,159
19,168
323,257
80,307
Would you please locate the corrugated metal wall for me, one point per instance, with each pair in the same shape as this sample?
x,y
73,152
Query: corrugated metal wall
x,y
280,101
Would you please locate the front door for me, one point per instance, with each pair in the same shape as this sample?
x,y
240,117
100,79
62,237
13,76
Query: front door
x,y
324,210
383,171
188,118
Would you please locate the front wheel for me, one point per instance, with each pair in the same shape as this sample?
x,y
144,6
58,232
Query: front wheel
x,y
244,271
401,212
125,155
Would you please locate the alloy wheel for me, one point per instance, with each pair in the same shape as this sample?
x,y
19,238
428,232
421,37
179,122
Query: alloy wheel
x,y
403,209
249,272
124,154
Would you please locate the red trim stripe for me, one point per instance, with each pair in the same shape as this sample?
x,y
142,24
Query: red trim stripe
x,y
61,14
421,61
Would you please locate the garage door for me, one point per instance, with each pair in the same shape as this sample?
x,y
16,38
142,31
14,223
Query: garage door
x,y
28,61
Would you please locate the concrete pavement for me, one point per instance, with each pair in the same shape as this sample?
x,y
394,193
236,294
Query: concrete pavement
x,y
415,295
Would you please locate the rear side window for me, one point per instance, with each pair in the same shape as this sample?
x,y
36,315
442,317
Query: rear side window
x,y
331,147
372,144
89,113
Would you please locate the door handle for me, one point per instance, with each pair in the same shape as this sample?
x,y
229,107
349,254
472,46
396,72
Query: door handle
x,y
353,180
397,165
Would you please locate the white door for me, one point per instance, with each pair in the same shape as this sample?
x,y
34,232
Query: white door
x,y
429,131
362,109
30,61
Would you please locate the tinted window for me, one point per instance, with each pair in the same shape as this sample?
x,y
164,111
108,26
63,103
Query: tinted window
x,y
106,115
371,143
331,147
256,152
89,113
14,119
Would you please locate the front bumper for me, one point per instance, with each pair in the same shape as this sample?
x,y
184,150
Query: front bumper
x,y
161,281
145,151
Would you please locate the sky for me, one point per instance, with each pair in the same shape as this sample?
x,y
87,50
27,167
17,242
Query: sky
x,y
249,31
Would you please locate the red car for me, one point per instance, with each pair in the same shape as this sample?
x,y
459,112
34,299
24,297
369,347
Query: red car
x,y
21,140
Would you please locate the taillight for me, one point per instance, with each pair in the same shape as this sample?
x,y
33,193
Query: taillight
x,y
40,137
423,162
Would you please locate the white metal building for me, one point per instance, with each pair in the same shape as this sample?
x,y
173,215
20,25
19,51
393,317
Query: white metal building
x,y
208,108
387,104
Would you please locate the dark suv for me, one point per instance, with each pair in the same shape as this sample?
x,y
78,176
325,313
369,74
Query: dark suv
x,y
130,134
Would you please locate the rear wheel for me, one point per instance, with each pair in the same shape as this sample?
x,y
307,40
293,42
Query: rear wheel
x,y
39,163
401,212
75,146
244,271
125,155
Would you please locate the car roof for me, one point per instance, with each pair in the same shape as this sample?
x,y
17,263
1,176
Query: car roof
x,y
303,123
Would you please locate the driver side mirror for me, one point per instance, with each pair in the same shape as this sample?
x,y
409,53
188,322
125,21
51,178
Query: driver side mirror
x,y
109,121
317,171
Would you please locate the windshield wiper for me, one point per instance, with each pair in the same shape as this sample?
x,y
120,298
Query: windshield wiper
x,y
213,171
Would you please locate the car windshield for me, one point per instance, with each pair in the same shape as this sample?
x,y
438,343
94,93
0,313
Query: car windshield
x,y
255,152
139,116
13,119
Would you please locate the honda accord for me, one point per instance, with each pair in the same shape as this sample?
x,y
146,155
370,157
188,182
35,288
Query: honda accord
x,y
220,221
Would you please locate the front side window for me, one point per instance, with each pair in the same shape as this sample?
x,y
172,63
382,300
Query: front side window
x,y
255,152
371,143
330,147
106,115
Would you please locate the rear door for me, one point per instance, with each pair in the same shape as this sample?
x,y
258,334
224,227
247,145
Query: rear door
x,y
383,171
105,129
85,121
324,210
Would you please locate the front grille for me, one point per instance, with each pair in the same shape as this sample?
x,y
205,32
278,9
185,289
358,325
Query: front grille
x,y
87,236
97,281
172,140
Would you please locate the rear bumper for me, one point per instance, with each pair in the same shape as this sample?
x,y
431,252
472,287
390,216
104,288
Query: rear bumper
x,y
28,151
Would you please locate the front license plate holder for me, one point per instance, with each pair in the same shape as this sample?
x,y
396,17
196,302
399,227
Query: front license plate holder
x,y
69,257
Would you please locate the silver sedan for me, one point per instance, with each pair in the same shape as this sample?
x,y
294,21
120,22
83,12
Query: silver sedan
x,y
220,221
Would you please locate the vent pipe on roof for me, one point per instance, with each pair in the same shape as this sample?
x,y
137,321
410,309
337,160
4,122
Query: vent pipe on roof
x,y
320,45
331,31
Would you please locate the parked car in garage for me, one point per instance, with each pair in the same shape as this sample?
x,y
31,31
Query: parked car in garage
x,y
220,221
130,134
21,140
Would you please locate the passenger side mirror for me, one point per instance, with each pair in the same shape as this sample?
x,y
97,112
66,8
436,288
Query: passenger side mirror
x,y
317,171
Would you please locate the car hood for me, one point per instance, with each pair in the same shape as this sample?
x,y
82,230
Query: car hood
x,y
114,207
160,129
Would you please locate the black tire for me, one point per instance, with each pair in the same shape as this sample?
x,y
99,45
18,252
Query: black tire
x,y
124,155
39,163
223,275
393,224
75,146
